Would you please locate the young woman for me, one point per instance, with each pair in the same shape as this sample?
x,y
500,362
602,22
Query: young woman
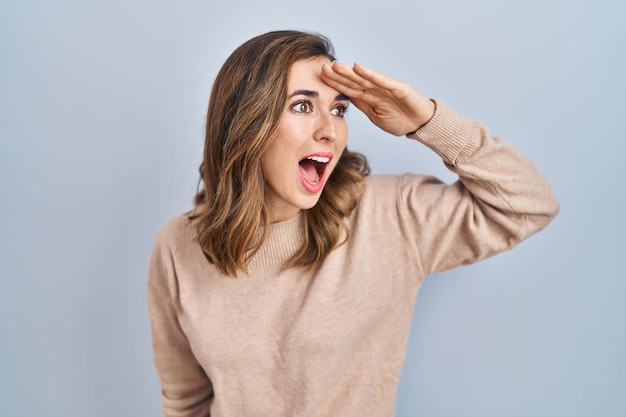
x,y
288,290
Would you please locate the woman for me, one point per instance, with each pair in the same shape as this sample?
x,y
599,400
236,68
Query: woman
x,y
288,290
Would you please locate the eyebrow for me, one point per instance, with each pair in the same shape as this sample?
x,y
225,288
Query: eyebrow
x,y
313,93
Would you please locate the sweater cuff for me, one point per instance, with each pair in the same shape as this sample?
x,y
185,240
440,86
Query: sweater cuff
x,y
448,133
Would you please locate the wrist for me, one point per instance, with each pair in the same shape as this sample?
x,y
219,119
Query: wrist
x,y
425,115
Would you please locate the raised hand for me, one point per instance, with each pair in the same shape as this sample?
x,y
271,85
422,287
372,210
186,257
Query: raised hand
x,y
392,105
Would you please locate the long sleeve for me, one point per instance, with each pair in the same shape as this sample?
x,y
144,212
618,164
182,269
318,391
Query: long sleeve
x,y
500,198
186,391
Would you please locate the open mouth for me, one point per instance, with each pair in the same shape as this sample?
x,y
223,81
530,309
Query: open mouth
x,y
312,168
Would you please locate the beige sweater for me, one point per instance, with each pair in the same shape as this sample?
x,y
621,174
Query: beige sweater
x,y
332,342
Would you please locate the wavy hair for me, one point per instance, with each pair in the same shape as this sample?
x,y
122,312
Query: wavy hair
x,y
232,208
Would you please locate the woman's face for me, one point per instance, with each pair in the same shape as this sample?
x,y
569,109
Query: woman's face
x,y
311,137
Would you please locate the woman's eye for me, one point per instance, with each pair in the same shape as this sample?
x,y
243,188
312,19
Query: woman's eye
x,y
340,111
302,107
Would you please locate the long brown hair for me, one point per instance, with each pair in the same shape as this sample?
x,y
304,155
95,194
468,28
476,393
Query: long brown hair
x,y
247,100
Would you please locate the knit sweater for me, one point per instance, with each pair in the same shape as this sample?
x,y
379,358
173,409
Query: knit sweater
x,y
331,342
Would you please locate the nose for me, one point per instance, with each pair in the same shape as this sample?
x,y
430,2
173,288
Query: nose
x,y
326,128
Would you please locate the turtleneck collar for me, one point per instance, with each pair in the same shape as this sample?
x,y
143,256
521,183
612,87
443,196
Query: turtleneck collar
x,y
281,243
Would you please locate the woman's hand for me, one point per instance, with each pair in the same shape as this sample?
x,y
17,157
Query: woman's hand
x,y
392,105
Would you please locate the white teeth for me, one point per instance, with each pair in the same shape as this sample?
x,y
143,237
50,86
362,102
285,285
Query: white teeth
x,y
322,159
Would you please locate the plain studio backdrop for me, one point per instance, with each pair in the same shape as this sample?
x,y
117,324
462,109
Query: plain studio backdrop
x,y
102,107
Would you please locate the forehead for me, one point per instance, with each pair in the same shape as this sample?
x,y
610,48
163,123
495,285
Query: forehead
x,y
307,72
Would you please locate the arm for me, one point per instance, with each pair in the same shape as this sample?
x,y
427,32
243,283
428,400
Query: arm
x,y
186,391
500,198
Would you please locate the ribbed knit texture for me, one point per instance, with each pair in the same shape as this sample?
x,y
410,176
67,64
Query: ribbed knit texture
x,y
331,342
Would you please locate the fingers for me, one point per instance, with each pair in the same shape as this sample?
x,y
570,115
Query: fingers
x,y
375,78
358,80
343,78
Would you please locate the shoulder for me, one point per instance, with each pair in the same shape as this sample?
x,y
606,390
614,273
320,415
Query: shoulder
x,y
175,249
374,182
381,186
176,232
391,188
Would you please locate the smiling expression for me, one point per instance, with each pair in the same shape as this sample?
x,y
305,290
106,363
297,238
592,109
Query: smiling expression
x,y
310,140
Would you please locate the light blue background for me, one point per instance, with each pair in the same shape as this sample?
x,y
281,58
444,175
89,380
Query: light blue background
x,y
101,129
